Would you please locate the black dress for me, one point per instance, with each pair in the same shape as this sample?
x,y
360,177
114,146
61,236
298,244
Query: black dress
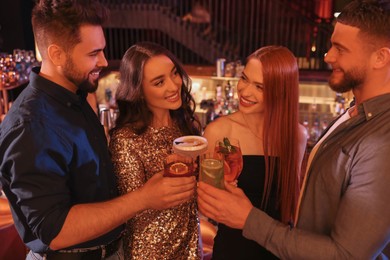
x,y
229,243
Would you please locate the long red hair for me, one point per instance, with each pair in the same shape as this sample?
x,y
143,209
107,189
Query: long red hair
x,y
281,102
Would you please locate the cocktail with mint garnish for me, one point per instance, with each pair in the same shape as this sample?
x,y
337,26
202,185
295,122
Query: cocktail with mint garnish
x,y
230,149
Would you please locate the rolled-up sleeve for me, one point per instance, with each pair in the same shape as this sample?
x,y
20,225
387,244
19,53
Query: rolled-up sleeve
x,y
36,171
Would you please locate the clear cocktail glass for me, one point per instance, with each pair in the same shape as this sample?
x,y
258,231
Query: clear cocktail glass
x,y
212,170
177,165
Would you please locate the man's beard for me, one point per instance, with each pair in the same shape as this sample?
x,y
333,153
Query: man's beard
x,y
352,79
88,86
83,84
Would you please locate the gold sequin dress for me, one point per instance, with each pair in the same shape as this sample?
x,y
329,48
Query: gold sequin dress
x,y
153,234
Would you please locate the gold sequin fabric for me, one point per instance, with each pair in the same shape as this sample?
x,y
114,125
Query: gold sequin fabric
x,y
153,234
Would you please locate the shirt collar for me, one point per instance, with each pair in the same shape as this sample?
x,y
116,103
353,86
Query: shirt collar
x,y
56,91
375,106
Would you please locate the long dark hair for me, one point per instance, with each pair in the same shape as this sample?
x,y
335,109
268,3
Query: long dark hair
x,y
133,109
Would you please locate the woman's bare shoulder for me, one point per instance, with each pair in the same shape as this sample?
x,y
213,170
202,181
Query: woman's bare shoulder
x,y
223,123
218,127
223,126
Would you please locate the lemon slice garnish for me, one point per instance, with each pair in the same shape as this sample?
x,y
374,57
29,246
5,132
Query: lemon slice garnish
x,y
178,168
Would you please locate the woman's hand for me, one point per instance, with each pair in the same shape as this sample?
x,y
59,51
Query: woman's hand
x,y
165,192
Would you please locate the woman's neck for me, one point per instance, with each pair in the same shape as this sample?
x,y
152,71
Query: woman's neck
x,y
162,120
254,122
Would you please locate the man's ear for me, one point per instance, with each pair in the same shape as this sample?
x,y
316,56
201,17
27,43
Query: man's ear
x,y
56,54
382,58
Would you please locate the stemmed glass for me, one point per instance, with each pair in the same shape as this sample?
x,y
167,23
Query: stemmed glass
x,y
233,162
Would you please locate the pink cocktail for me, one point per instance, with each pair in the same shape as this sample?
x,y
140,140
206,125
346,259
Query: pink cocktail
x,y
230,148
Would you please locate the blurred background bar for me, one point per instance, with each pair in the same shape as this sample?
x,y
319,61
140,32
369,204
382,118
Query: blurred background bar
x,y
212,38
201,31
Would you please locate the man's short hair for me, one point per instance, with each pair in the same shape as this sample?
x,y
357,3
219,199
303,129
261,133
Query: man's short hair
x,y
58,21
372,17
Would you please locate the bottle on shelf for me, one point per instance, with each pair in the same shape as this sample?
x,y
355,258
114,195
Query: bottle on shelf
x,y
339,104
306,125
315,131
229,91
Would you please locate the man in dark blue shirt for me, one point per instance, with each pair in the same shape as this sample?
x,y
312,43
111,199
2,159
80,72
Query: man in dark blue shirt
x,y
55,168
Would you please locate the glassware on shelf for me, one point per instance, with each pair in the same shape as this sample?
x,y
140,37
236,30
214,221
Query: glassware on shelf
x,y
315,131
220,67
339,104
16,67
105,120
229,91
239,69
306,125
230,69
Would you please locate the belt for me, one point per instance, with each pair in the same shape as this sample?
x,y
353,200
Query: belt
x,y
97,252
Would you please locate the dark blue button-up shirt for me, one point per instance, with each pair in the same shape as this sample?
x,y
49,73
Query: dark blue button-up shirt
x,y
53,155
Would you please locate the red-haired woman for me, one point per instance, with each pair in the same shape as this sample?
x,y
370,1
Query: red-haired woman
x,y
272,142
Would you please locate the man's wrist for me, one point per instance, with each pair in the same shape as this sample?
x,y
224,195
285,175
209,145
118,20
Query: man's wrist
x,y
257,226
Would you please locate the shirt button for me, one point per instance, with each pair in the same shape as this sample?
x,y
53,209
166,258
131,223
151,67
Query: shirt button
x,y
69,104
369,114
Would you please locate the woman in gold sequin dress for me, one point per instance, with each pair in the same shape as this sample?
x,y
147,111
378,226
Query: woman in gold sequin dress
x,y
155,107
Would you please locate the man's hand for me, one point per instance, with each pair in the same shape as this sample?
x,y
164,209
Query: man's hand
x,y
165,192
230,207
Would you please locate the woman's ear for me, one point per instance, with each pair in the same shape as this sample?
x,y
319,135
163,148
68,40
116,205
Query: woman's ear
x,y
56,54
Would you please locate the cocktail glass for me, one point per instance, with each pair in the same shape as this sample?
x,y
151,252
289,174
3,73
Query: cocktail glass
x,y
190,145
231,151
212,170
177,165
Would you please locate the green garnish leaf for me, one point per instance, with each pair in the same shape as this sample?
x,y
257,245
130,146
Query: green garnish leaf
x,y
226,147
